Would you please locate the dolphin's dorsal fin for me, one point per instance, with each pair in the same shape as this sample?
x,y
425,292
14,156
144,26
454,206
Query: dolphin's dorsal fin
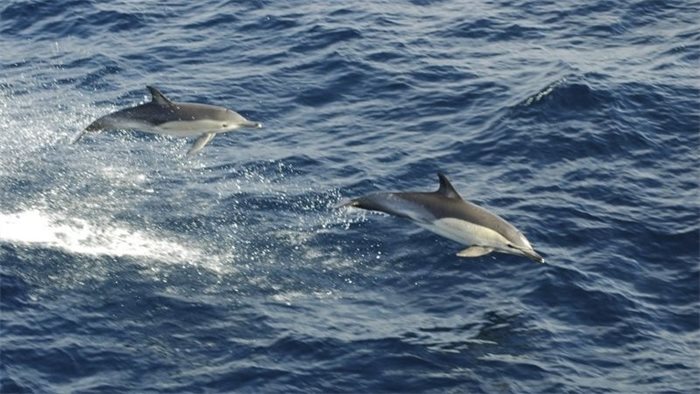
x,y
446,188
158,97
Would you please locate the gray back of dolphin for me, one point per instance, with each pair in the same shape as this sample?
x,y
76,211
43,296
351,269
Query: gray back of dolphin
x,y
161,110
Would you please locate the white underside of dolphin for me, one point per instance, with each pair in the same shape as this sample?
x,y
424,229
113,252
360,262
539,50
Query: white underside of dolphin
x,y
467,233
165,117
445,213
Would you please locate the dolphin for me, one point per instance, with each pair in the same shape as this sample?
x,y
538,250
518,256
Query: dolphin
x,y
163,116
445,213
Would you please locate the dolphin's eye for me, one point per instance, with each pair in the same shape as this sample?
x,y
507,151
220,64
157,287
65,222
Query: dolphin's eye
x,y
224,125
511,246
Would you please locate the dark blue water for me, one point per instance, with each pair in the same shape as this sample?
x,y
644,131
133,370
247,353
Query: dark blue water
x,y
128,267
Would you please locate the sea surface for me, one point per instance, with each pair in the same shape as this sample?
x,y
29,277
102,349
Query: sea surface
x,y
127,266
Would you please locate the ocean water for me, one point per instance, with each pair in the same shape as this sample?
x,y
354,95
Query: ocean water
x,y
126,266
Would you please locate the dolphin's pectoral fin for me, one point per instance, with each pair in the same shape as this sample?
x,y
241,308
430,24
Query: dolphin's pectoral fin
x,y
202,141
475,251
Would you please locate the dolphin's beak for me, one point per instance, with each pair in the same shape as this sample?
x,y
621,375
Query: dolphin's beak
x,y
532,255
527,252
253,125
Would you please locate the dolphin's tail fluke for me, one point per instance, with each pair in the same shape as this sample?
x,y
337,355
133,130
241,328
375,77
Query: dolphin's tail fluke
x,y
382,202
96,126
364,202
345,203
78,136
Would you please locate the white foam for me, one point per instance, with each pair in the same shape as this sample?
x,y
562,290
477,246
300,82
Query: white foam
x,y
79,236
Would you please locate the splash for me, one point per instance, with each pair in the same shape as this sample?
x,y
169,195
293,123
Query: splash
x,y
79,236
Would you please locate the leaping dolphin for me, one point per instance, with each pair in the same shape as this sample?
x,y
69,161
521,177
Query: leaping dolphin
x,y
445,213
163,116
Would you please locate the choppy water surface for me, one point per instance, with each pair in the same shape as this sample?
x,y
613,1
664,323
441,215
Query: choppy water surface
x,y
127,266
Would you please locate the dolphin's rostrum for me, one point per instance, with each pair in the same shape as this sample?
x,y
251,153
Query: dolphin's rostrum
x,y
163,116
444,212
